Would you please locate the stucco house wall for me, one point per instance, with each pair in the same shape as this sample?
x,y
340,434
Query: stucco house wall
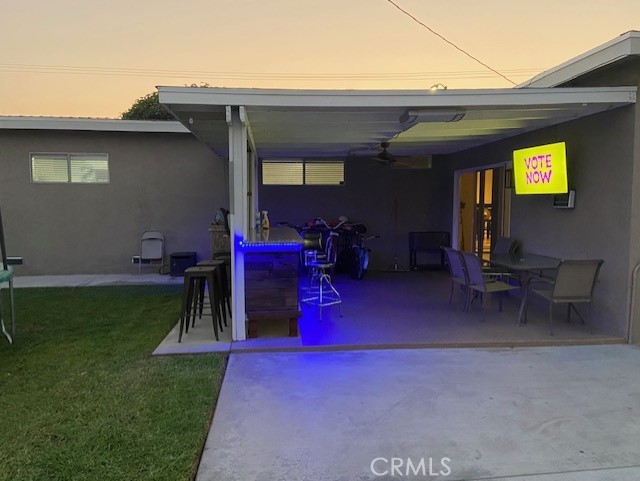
x,y
423,199
162,181
625,73
600,167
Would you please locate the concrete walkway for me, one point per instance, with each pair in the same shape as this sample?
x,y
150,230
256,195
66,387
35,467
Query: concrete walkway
x,y
94,280
531,414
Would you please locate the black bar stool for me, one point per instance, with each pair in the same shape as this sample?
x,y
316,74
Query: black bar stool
x,y
194,280
226,257
223,286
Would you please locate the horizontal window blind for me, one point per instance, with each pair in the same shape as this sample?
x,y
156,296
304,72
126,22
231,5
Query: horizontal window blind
x,y
282,173
324,173
49,168
302,172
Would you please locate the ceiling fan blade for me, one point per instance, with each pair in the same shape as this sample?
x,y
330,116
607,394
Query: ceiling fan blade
x,y
418,162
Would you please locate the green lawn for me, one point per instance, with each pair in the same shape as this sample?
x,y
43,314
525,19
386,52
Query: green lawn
x,y
82,399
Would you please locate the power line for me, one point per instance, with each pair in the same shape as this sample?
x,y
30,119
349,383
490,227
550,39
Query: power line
x,y
449,42
186,74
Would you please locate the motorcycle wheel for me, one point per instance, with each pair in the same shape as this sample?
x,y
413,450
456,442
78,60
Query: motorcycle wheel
x,y
361,264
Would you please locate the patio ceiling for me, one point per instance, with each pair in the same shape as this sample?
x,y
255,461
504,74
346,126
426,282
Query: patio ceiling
x,y
304,123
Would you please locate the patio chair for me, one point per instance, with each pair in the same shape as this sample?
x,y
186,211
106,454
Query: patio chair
x,y
6,276
151,248
574,283
480,284
458,273
506,245
503,246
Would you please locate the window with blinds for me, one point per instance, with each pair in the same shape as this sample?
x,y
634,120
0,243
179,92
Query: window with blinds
x,y
324,173
49,168
299,172
69,168
276,172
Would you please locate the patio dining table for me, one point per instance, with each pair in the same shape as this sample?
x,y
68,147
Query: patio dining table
x,y
530,266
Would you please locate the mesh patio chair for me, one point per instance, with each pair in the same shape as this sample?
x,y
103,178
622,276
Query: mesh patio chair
x,y
6,277
506,245
574,283
458,273
503,246
479,283
151,248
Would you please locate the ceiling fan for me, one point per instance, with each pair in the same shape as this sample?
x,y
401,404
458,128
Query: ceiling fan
x,y
384,157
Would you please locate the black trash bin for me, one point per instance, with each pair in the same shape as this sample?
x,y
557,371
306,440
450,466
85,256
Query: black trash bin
x,y
180,261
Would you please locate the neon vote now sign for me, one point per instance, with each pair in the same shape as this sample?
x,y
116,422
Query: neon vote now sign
x,y
541,170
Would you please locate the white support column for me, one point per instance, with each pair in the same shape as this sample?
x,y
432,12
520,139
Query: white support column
x,y
238,188
254,201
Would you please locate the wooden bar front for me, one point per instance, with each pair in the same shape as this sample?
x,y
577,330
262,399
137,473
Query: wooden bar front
x,y
271,281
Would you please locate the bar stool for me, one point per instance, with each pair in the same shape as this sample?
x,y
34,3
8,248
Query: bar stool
x,y
194,278
226,257
324,294
223,286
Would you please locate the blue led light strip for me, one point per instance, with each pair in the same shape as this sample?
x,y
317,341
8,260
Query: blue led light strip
x,y
270,246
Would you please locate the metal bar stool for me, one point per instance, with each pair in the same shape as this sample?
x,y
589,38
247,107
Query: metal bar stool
x,y
226,257
194,277
223,286
199,295
324,294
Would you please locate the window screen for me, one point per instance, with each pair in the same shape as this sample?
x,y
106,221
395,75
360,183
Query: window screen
x,y
282,173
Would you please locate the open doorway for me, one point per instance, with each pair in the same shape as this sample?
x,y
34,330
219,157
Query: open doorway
x,y
483,205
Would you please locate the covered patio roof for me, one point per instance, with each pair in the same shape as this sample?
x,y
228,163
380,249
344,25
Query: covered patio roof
x,y
332,123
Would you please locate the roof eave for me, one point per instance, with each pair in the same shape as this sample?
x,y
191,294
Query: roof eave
x,y
101,125
187,97
623,46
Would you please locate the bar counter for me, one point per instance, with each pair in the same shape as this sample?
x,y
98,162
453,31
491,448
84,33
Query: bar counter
x,y
271,277
270,240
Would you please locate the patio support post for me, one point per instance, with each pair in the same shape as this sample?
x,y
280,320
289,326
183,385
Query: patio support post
x,y
238,189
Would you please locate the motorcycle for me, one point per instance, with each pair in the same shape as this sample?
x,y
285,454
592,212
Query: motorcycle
x,y
343,242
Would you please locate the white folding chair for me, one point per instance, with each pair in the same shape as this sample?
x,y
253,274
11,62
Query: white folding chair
x,y
151,248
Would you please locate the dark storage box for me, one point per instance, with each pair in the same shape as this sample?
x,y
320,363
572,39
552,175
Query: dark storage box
x,y
180,261
427,245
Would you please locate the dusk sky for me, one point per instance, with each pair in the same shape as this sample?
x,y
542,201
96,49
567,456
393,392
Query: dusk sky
x,y
94,58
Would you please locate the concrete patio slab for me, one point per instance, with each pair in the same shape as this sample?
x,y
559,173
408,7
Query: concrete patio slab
x,y
402,310
530,414
200,339
620,474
